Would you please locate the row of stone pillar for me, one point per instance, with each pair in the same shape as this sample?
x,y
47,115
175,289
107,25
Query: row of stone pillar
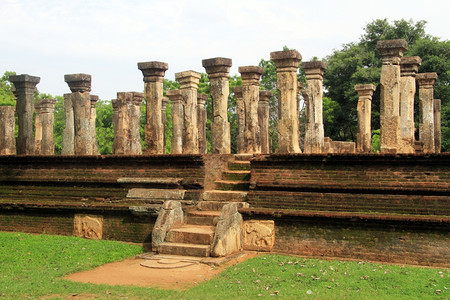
x,y
397,89
42,142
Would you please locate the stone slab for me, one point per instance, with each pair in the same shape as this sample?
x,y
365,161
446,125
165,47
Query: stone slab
x,y
142,193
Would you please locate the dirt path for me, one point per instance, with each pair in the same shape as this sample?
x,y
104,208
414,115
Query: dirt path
x,y
130,272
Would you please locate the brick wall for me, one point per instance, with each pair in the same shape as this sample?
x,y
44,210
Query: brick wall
x,y
352,183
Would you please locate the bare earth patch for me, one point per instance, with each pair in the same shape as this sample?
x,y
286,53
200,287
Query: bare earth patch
x,y
130,272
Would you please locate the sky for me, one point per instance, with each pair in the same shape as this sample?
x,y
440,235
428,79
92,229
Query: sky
x,y
107,38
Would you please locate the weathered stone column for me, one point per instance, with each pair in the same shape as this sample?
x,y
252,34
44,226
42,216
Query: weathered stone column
x,y
69,131
391,52
25,86
408,69
364,135
437,125
7,129
121,121
80,85
426,82
135,117
287,63
37,128
176,99
188,85
153,83
92,118
218,71
301,125
44,115
240,112
313,95
250,93
163,118
201,123
263,119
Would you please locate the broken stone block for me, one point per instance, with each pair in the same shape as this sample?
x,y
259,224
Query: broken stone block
x,y
259,235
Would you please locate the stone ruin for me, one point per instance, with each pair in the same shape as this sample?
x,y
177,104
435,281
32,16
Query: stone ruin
x,y
397,87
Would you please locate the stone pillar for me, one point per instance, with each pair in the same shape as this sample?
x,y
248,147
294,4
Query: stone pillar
x,y
37,128
69,131
240,112
25,86
92,118
437,125
80,85
391,52
135,118
7,129
176,99
121,121
287,63
301,125
188,85
218,71
313,95
263,119
153,83
201,123
408,69
426,82
163,118
45,117
364,135
250,93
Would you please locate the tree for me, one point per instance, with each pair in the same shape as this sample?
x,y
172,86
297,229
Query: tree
x,y
360,62
6,95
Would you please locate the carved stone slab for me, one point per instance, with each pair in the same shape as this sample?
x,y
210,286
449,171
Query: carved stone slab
x,y
259,235
88,226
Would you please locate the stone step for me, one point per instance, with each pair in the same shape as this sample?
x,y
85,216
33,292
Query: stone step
x,y
226,185
243,157
196,217
239,165
191,234
228,196
237,175
184,249
217,205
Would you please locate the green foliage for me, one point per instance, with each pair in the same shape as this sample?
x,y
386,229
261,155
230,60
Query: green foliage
x,y
104,127
376,142
360,62
6,95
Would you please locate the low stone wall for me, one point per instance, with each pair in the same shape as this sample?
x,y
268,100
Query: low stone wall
x,y
42,194
388,208
352,183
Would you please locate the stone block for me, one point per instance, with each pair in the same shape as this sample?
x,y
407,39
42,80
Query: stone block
x,y
88,226
228,236
259,235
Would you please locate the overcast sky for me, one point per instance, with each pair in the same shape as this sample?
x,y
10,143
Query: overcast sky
x,y
50,38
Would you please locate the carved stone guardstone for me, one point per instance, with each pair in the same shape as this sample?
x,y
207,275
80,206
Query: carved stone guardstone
x,y
228,235
259,235
171,215
88,226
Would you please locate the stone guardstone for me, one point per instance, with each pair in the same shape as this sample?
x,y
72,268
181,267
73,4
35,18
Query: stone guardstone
x,y
88,226
165,194
171,215
259,235
228,236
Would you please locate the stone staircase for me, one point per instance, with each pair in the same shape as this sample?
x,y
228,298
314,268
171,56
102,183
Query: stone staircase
x,y
196,235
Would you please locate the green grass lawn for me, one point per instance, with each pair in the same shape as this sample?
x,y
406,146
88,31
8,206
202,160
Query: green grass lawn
x,y
31,265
